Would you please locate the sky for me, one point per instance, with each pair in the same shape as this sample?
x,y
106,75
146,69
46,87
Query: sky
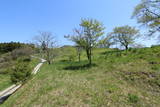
x,y
20,20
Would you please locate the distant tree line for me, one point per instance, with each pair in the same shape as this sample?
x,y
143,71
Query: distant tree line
x,y
8,47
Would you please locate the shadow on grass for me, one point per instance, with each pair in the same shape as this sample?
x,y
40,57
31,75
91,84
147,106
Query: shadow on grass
x,y
63,60
2,99
79,67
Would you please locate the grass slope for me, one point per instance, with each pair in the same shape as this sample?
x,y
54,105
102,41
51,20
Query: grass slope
x,y
116,79
5,81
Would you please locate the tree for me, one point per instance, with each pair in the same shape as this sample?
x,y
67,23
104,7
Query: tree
x,y
87,37
125,35
77,38
92,29
9,47
148,14
47,42
106,42
79,51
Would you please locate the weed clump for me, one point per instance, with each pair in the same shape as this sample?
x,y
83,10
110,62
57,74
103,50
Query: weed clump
x,y
133,98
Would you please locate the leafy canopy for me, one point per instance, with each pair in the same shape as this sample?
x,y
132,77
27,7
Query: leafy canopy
x,y
148,13
92,29
125,35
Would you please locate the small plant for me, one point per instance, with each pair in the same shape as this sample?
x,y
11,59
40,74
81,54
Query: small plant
x,y
133,98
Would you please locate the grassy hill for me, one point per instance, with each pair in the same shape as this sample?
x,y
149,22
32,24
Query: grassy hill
x,y
116,79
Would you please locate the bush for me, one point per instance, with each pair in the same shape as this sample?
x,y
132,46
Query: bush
x,y
21,52
71,57
21,72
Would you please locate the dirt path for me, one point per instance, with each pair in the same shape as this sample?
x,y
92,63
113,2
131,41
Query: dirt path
x,y
9,91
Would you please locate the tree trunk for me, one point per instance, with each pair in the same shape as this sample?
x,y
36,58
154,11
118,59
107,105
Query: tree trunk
x,y
90,56
49,62
79,57
48,57
87,52
126,47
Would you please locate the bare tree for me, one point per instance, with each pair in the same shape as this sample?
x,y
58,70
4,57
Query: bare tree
x,y
46,41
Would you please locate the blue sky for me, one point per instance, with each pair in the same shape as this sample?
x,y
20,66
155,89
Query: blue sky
x,y
20,20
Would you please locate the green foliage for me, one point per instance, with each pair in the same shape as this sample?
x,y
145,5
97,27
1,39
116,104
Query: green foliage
x,y
71,57
125,35
78,39
133,98
92,30
21,72
106,42
8,47
69,53
5,81
87,37
7,65
148,13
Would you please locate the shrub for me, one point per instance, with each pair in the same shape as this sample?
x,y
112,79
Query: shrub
x,y
21,52
130,49
71,57
21,72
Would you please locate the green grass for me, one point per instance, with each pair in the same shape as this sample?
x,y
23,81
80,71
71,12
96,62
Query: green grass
x,y
34,62
120,79
5,82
